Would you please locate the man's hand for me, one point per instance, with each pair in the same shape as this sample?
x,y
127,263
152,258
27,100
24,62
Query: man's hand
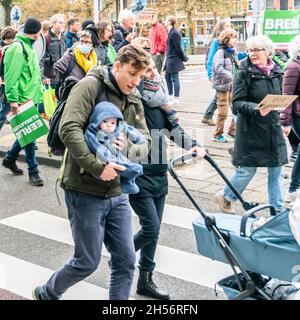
x,y
47,81
1,81
286,130
130,37
14,107
199,151
109,173
121,142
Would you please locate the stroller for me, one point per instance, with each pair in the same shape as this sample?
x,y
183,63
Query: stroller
x,y
270,251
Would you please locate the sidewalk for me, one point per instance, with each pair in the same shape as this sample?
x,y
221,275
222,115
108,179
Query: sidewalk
x,y
196,59
198,177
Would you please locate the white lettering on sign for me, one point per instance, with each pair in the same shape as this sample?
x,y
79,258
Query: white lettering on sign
x,y
288,24
28,126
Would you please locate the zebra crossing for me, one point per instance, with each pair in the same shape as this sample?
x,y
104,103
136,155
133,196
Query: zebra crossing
x,y
41,242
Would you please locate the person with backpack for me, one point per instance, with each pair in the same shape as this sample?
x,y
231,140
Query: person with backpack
x,y
98,210
55,44
75,62
211,51
225,67
259,138
22,80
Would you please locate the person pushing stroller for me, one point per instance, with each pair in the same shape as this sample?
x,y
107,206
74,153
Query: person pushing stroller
x,y
105,126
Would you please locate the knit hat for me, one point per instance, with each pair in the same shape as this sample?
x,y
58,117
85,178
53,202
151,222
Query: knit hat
x,y
32,26
94,32
85,23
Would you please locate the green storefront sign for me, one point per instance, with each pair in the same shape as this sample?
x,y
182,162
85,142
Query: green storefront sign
x,y
281,26
27,125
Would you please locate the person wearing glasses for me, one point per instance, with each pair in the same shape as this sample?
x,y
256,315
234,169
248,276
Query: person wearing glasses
x,y
77,61
259,138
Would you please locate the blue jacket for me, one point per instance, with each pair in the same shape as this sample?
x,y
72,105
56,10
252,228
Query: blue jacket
x,y
71,38
214,45
175,55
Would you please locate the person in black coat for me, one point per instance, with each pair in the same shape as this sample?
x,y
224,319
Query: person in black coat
x,y
174,59
124,33
149,203
259,138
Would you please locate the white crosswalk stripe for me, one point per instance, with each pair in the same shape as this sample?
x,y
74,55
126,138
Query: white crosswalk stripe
x,y
171,262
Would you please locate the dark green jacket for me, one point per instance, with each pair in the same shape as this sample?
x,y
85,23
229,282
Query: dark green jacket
x,y
81,169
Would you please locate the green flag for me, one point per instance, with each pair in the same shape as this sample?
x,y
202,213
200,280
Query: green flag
x,y
27,125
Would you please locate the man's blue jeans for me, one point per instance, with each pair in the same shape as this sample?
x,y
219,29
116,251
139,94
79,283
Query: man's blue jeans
x,y
243,176
95,220
4,109
14,152
172,80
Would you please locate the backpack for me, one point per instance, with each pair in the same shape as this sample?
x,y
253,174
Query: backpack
x,y
63,78
3,50
56,146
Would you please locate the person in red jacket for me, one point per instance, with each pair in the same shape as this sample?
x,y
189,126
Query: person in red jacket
x,y
158,42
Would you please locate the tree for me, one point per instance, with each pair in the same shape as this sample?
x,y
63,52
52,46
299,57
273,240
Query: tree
x,y
7,5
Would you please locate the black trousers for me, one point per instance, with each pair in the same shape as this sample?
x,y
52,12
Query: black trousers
x,y
150,211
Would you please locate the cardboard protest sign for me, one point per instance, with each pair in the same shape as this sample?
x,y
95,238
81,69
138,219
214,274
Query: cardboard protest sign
x,y
276,102
27,124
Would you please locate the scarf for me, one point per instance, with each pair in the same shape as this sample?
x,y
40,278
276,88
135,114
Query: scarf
x,y
85,63
268,68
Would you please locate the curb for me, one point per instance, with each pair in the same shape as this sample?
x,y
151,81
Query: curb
x,y
42,158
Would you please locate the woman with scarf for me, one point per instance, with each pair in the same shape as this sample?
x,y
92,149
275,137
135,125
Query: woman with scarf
x,y
106,53
259,138
77,61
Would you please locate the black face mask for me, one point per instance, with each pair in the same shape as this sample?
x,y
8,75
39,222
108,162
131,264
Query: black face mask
x,y
147,49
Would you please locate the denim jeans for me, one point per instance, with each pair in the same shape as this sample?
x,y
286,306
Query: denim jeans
x,y
243,176
4,109
30,157
212,107
149,211
172,80
295,177
95,220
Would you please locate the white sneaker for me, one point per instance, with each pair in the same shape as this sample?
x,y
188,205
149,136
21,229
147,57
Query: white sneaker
x,y
291,196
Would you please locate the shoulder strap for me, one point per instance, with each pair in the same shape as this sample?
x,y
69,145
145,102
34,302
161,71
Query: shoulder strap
x,y
48,39
102,93
23,48
69,69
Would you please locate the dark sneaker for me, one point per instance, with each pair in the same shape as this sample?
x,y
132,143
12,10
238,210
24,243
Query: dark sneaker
x,y
11,165
36,295
35,180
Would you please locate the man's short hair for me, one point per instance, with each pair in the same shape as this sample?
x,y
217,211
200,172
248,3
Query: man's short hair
x,y
56,17
134,55
172,20
8,33
72,21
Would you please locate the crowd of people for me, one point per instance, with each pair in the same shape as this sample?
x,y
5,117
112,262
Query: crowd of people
x,y
113,127
241,81
115,122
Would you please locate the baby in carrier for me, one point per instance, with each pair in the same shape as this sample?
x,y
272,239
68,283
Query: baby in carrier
x,y
105,126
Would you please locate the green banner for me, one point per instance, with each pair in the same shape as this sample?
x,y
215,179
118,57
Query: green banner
x,y
27,125
281,26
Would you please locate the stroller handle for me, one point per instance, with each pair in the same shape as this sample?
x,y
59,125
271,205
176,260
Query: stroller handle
x,y
182,158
